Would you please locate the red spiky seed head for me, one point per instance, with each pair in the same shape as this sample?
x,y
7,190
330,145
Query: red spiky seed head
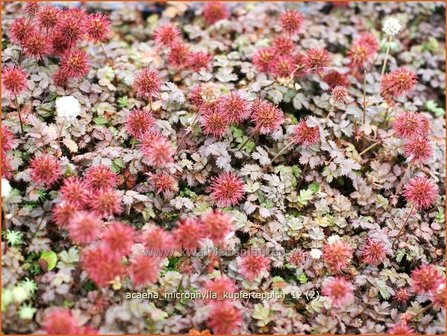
x,y
305,135
138,122
106,202
425,279
118,238
71,26
340,94
59,45
101,264
421,192
252,264
363,49
159,152
75,191
36,45
227,189
374,252
263,59
147,84
63,212
199,60
283,45
48,17
166,35
75,64
20,28
158,242
267,117
316,60
45,170
164,183
14,80
144,270
215,11
283,66
338,290
297,257
397,83
292,21
401,328
337,255
418,150
334,78
234,107
84,227
214,123
97,27
60,321
188,234
31,8
219,287
402,295
224,318
217,225
370,42
101,177
179,56
438,297
7,138
410,125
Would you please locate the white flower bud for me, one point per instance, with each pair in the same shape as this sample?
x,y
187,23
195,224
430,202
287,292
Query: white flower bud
x,y
391,26
6,188
316,253
67,107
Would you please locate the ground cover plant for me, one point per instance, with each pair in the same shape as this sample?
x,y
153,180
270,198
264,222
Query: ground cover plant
x,y
265,168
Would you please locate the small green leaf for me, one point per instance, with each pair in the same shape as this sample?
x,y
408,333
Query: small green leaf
x,y
302,278
100,120
50,258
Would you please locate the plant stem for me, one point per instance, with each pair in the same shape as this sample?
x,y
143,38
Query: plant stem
x,y
370,147
403,226
245,142
287,146
189,129
387,52
364,98
105,54
20,116
399,187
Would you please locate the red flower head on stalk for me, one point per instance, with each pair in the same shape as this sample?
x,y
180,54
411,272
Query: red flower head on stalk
x,y
180,55
144,270
397,83
188,234
418,150
147,84
199,60
266,117
74,63
425,279
337,255
215,11
263,59
45,170
219,287
105,202
157,149
14,80
339,291
410,125
224,318
63,212
227,189
305,135
316,60
214,123
98,28
234,107
20,29
340,94
217,225
164,183
283,66
75,191
32,8
334,78
101,177
283,45
292,21
166,35
138,122
158,242
36,45
48,17
118,238
84,227
60,321
252,264
401,328
421,192
374,252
